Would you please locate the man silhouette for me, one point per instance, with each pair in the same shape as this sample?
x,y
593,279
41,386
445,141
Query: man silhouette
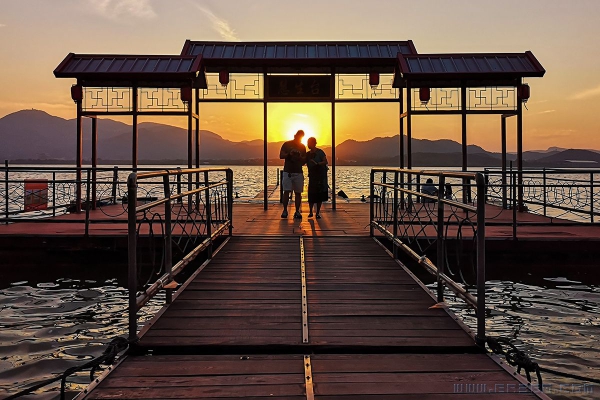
x,y
294,154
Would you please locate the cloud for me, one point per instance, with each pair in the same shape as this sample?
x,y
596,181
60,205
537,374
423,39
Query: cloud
x,y
117,8
219,24
2,25
547,112
586,94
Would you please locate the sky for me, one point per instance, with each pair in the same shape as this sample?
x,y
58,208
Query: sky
x,y
35,35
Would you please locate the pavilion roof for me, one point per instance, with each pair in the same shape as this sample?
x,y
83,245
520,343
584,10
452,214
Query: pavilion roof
x,y
484,66
317,56
148,69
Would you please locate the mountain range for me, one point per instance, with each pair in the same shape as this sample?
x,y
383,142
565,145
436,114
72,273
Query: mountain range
x,y
36,136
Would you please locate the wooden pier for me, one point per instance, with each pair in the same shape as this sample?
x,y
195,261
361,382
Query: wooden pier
x,y
295,316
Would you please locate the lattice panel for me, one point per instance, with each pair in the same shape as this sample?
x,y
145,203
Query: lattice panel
x,y
356,87
240,87
492,98
447,99
107,99
160,99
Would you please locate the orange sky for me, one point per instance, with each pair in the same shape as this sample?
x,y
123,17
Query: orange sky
x,y
35,35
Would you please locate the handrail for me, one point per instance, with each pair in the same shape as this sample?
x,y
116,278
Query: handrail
x,y
66,193
567,194
429,211
191,234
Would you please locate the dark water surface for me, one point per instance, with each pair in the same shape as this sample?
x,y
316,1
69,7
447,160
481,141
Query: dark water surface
x,y
47,327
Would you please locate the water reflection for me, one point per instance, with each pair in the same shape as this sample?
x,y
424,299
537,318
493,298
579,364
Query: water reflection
x,y
47,327
555,320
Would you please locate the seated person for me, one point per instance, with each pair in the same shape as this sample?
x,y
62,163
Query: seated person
x,y
430,189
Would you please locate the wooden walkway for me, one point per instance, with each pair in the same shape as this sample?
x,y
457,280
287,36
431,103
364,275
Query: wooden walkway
x,y
294,317
348,219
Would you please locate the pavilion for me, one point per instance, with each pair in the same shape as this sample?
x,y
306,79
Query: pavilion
x,y
330,72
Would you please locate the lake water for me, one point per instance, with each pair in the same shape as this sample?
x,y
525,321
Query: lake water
x,y
48,325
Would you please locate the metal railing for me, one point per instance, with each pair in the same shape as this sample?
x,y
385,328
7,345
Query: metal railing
x,y
420,219
102,188
571,194
167,234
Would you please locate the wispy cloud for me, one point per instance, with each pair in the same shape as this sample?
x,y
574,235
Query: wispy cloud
x,y
219,24
117,8
547,112
2,25
586,94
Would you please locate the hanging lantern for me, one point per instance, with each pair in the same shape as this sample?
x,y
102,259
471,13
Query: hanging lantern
x,y
374,79
77,93
523,92
186,93
424,95
224,77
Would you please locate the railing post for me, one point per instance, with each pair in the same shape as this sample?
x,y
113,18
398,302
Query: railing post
x,y
53,194
371,204
132,244
440,239
402,199
544,189
179,199
480,338
229,175
280,179
513,180
168,232
395,210
418,189
115,182
384,204
87,203
592,197
208,214
6,193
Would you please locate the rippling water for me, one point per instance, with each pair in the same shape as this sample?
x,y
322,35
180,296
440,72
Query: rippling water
x,y
555,320
51,325
47,327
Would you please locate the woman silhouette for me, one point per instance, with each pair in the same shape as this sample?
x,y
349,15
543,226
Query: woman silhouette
x,y
318,189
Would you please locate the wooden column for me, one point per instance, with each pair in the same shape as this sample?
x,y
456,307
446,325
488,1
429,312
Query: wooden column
x,y
333,156
401,133
463,105
520,152
197,131
94,158
466,197
79,157
408,126
134,145
504,199
265,172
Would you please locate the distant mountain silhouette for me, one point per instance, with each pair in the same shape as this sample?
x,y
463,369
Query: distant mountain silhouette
x,y
33,135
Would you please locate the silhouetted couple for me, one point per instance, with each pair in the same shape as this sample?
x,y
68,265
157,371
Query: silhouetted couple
x,y
295,155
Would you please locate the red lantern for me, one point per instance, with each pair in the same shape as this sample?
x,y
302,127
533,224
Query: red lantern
x,y
76,93
523,92
424,94
374,79
186,93
224,77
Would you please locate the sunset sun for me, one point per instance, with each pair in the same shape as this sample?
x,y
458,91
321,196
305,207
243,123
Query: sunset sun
x,y
286,119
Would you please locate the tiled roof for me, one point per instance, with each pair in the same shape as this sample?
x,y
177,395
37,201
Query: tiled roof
x,y
128,66
470,65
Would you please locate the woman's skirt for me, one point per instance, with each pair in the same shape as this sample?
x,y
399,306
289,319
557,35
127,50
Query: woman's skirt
x,y
318,190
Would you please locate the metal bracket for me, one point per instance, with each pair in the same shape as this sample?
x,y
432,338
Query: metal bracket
x,y
304,299
308,379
